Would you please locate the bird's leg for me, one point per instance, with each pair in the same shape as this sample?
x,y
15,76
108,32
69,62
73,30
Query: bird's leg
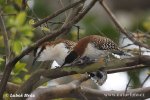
x,y
82,61
77,62
87,60
101,60
106,59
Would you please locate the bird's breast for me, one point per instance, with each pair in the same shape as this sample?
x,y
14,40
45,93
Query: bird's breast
x,y
46,54
92,52
62,52
55,52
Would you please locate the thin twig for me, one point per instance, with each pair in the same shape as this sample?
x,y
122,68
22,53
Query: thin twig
x,y
109,71
145,80
127,86
37,18
52,22
77,26
71,16
56,13
118,25
5,37
63,6
11,14
33,13
126,45
24,4
78,32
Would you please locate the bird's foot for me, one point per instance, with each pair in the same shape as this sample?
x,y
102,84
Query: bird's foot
x,y
106,59
86,59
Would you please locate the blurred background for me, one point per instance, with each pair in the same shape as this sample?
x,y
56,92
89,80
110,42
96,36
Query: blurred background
x,y
134,15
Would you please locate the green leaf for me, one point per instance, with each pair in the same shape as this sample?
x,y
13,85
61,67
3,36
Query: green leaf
x,y
1,60
45,84
27,31
26,77
2,2
6,96
146,24
31,22
11,22
26,41
17,47
19,2
17,80
20,19
19,67
45,29
148,73
1,41
9,9
25,70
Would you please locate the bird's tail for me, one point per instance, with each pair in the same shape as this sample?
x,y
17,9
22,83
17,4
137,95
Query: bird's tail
x,y
120,52
99,77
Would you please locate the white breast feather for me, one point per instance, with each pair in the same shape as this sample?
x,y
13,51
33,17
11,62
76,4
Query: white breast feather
x,y
46,54
57,52
92,52
62,53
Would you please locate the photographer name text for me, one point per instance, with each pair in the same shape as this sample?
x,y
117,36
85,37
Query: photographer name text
x,y
21,95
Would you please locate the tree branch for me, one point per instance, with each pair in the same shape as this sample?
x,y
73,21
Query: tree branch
x,y
115,70
11,87
60,72
73,88
113,67
67,90
118,25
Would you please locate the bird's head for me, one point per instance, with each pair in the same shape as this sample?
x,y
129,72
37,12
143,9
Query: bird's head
x,y
70,57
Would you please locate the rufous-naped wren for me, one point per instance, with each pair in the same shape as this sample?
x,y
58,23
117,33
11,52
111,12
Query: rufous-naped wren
x,y
55,50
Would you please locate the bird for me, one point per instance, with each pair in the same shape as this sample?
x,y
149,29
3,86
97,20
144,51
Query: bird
x,y
99,77
93,47
55,50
